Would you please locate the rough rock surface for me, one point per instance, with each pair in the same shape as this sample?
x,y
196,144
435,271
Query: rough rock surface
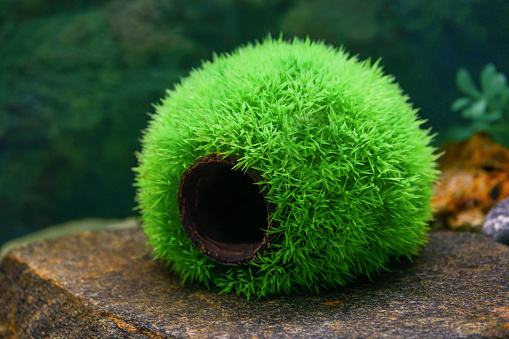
x,y
104,284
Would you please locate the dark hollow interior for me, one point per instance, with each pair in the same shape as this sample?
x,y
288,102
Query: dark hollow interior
x,y
225,204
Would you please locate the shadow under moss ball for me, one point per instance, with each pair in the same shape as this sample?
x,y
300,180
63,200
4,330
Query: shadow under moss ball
x,y
304,165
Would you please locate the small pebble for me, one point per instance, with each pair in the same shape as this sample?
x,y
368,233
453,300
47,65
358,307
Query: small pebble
x,y
496,224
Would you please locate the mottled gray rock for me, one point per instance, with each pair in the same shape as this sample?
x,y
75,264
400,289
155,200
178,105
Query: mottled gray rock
x,y
104,284
496,224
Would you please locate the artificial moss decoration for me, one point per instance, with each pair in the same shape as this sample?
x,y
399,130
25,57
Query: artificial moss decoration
x,y
332,147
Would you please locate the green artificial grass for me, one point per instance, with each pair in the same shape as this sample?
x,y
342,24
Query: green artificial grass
x,y
340,149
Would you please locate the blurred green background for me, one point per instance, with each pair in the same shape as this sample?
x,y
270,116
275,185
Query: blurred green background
x,y
77,79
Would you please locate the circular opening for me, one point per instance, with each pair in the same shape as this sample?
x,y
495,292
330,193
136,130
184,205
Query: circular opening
x,y
222,210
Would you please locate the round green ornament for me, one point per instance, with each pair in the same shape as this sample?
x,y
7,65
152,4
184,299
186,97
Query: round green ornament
x,y
285,165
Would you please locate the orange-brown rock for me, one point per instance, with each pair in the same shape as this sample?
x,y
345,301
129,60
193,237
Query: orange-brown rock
x,y
475,176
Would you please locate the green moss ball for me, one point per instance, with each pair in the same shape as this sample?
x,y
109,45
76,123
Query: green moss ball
x,y
341,152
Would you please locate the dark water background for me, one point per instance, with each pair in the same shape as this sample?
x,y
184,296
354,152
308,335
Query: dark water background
x,y
77,79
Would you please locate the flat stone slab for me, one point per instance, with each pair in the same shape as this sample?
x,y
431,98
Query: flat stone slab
x,y
104,284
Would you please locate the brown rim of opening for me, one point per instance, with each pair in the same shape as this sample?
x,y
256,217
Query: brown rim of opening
x,y
224,214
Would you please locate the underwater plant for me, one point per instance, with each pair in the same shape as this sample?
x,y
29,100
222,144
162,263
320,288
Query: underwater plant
x,y
284,166
487,107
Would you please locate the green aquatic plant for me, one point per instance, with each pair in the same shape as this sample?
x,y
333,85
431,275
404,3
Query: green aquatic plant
x,y
487,107
333,145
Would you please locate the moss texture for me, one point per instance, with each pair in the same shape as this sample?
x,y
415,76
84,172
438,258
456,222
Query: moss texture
x,y
340,148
